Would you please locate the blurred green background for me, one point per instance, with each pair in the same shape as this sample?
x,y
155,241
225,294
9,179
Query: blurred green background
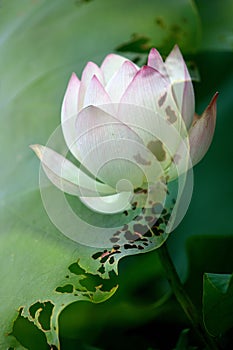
x,y
42,43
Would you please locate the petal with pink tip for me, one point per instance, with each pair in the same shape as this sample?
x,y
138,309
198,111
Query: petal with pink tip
x,y
146,89
95,94
69,111
89,71
66,176
202,131
155,61
111,65
121,80
182,84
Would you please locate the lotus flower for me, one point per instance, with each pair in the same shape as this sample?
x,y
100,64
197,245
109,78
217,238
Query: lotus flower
x,y
133,131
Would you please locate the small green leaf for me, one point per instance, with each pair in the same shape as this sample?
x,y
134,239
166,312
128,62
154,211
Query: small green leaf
x,y
218,302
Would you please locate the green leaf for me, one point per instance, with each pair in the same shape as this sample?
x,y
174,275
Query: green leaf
x,y
218,302
217,30
42,42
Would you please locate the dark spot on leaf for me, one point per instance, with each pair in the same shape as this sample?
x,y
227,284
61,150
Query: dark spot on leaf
x,y
131,236
138,218
176,29
156,147
125,213
160,22
134,205
117,233
157,208
114,239
143,210
140,228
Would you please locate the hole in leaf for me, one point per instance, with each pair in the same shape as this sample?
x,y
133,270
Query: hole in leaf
x,y
93,281
29,335
102,269
76,269
45,313
68,288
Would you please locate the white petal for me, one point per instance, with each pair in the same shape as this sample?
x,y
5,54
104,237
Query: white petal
x,y
155,61
111,65
115,203
89,71
121,80
95,94
182,85
66,176
202,131
147,87
68,113
112,151
161,137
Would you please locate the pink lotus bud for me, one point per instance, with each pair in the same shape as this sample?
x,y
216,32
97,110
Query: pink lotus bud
x,y
133,131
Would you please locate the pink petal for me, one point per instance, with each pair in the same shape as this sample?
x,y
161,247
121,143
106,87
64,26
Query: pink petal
x,y
69,111
121,80
182,85
66,176
202,131
95,93
111,65
89,71
155,61
146,89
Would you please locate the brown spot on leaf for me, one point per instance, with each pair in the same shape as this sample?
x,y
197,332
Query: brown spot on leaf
x,y
160,22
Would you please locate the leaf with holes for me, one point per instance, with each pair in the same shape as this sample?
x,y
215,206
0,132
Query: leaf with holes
x,y
41,44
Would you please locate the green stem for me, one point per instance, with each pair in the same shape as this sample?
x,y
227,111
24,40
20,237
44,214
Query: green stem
x,y
184,300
